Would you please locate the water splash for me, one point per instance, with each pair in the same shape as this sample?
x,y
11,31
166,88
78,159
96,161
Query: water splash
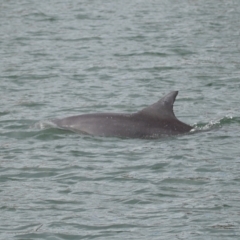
x,y
46,124
217,123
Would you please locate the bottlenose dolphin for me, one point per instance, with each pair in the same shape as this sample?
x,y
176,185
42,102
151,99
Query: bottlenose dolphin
x,y
154,121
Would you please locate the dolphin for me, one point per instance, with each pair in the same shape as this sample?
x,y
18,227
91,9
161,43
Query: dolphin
x,y
155,121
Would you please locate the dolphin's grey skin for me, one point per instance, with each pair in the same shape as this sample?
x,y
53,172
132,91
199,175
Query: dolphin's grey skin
x,y
154,121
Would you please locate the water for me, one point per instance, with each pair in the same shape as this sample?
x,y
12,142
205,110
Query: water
x,y
62,58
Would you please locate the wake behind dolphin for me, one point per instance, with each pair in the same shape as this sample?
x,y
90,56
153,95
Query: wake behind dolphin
x,y
154,121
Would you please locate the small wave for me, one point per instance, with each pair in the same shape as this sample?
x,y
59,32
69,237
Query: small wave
x,y
217,123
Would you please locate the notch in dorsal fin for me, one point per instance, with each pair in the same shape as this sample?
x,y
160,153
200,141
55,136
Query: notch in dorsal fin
x,y
163,108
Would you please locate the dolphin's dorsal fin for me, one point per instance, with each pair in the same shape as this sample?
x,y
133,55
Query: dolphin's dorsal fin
x,y
163,108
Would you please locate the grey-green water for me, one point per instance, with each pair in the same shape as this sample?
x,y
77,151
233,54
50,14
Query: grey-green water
x,y
62,58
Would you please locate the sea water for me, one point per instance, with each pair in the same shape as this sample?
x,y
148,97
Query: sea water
x,y
62,58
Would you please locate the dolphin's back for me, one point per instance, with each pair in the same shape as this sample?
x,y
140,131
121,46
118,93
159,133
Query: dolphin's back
x,y
103,124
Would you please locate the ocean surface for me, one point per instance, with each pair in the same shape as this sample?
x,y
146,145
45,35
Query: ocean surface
x,y
60,58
